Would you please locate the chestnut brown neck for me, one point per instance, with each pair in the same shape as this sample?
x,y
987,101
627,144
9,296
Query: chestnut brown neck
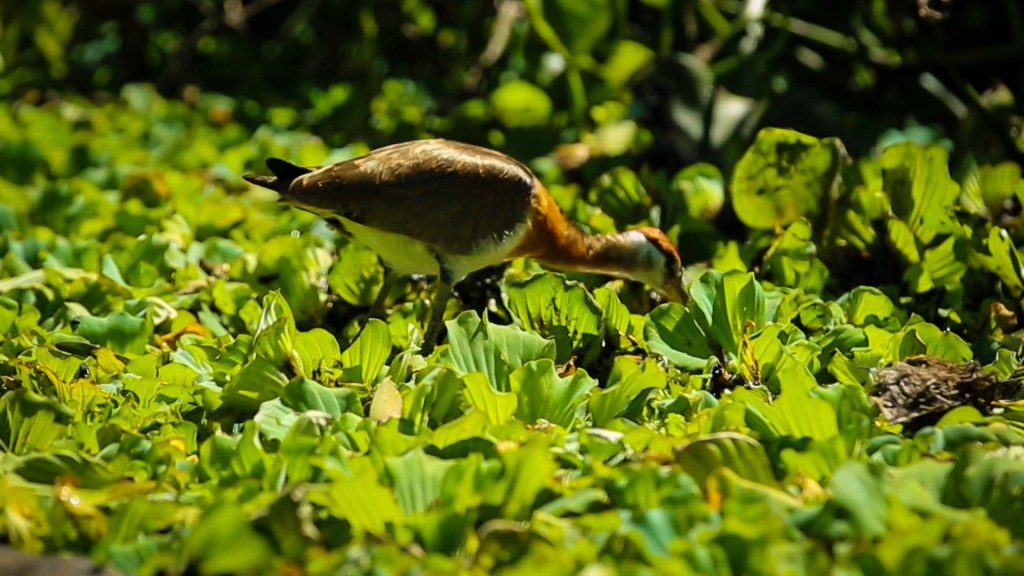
x,y
554,241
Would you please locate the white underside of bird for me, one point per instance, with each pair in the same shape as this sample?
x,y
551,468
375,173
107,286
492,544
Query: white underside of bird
x,y
406,256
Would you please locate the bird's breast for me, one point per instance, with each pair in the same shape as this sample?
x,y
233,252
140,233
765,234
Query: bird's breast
x,y
405,255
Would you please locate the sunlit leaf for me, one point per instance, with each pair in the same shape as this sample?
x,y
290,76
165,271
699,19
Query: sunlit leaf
x,y
725,450
628,378
918,183
672,331
475,345
620,194
1000,257
551,306
364,503
866,304
784,176
120,331
365,358
275,334
731,306
519,104
497,406
317,349
386,403
357,275
858,491
543,394
30,422
799,414
417,480
303,394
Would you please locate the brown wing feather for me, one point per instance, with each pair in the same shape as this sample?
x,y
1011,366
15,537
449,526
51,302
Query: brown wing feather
x,y
447,194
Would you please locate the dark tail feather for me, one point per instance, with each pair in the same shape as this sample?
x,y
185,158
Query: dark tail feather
x,y
284,173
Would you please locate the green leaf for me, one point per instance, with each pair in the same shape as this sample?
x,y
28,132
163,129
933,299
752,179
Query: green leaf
x,y
799,414
225,542
902,239
228,458
732,305
579,24
946,264
620,194
472,424
990,482
519,104
615,314
120,331
628,379
783,176
364,503
858,490
258,381
497,406
987,189
357,275
303,394
918,183
527,471
288,261
29,422
817,459
274,419
846,372
365,358
792,259
543,394
960,415
951,347
317,349
701,188
552,306
654,532
627,59
998,255
741,454
416,478
50,467
386,403
474,345
672,331
866,305
275,333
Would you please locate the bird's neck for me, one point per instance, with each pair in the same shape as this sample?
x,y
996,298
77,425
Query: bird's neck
x,y
554,241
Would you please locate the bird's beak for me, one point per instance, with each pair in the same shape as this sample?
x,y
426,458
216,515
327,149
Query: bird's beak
x,y
674,291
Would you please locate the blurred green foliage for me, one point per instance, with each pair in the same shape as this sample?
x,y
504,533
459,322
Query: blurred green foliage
x,y
675,80
189,382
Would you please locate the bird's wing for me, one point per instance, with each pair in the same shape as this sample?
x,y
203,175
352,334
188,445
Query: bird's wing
x,y
446,194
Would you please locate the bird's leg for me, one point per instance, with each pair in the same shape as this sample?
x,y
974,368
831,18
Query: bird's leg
x,y
444,292
377,310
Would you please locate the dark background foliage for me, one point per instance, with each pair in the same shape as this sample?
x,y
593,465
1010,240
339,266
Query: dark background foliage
x,y
385,70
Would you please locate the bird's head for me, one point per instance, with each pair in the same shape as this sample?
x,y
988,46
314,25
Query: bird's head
x,y
657,263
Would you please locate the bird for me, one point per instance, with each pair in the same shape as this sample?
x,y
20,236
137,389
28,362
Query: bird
x,y
439,207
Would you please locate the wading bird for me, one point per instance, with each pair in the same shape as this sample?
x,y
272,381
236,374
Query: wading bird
x,y
444,208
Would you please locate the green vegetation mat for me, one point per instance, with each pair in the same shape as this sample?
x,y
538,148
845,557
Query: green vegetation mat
x,y
190,385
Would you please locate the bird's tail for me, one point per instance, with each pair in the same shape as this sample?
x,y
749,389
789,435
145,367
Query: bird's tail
x,y
284,173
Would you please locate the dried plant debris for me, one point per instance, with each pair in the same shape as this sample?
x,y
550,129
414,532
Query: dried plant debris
x,y
18,563
919,390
